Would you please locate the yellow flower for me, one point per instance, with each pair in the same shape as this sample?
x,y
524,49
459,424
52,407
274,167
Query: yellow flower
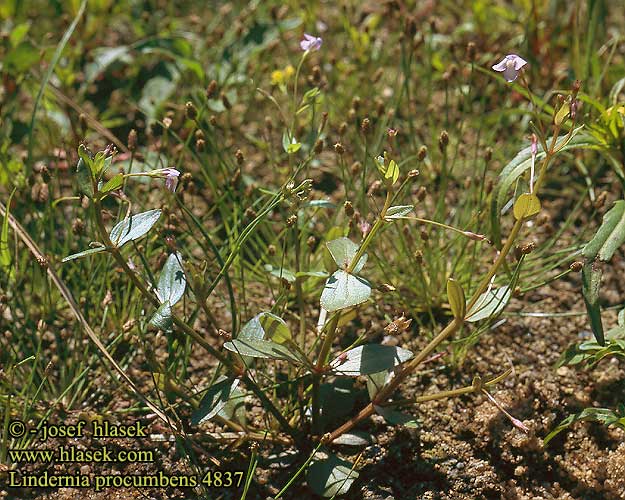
x,y
282,76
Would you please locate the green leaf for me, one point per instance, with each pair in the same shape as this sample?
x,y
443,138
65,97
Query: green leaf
x,y
457,301
343,250
155,92
398,211
344,290
275,327
392,172
376,381
281,273
395,417
603,415
355,438
84,178
172,280
134,227
252,330
103,58
591,281
336,399
84,253
162,317
610,235
293,148
18,33
262,349
290,144
527,205
215,399
489,304
311,94
331,477
368,359
113,183
21,58
234,409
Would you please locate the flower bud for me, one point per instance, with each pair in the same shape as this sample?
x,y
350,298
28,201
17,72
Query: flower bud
x,y
339,149
422,153
191,110
349,209
132,140
471,51
576,266
211,90
239,156
443,141
365,126
225,101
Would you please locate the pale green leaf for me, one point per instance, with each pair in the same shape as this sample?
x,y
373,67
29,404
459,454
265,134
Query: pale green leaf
x,y
172,280
134,227
368,359
610,235
489,304
214,400
344,290
331,477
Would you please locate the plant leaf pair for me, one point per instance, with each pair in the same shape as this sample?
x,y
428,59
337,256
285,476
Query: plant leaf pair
x,y
344,289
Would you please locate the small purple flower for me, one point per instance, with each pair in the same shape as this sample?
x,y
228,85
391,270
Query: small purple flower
x,y
311,42
171,178
510,66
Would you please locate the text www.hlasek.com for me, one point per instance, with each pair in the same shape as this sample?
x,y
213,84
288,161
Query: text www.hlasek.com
x,y
73,454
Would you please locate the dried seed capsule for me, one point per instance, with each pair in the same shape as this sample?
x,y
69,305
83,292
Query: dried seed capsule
x,y
211,90
576,266
239,156
349,208
365,125
443,141
422,153
471,51
191,110
225,101
340,150
132,140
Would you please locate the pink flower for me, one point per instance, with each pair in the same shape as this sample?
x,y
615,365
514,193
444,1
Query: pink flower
x,y
310,42
510,66
171,178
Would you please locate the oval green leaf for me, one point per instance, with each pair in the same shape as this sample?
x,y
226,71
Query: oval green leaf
x,y
134,227
172,281
527,205
275,328
344,290
457,301
368,359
